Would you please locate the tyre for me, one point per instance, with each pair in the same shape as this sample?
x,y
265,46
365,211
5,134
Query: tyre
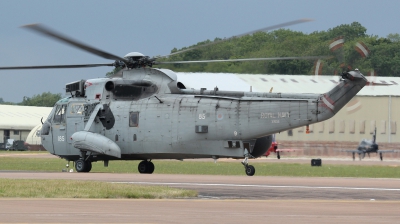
x,y
80,165
88,167
150,167
250,170
142,167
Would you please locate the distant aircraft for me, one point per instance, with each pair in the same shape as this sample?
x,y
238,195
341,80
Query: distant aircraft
x,y
274,148
368,146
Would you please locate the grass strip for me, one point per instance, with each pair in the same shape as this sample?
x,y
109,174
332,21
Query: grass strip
x,y
86,189
210,168
6,151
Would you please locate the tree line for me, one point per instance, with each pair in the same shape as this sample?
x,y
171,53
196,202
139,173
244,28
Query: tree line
x,y
383,57
45,99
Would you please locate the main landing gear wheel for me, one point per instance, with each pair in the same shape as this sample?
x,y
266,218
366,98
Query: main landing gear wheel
x,y
83,166
146,167
250,170
361,155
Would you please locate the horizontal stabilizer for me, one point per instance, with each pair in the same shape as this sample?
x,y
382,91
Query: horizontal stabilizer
x,y
387,151
355,151
288,150
377,84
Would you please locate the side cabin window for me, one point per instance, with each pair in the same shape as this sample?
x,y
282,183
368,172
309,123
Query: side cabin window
x,y
133,119
59,115
76,109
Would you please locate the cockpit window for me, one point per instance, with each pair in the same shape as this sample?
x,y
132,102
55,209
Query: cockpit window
x,y
59,115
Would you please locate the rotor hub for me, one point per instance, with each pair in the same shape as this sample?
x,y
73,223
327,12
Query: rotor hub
x,y
135,60
134,54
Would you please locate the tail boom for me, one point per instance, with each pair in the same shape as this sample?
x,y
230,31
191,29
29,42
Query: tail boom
x,y
331,102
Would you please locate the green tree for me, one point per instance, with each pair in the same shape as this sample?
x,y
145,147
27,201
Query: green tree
x,y
348,31
113,72
386,59
383,58
394,37
2,102
45,99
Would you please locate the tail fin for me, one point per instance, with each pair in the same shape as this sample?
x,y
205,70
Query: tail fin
x,y
331,102
374,136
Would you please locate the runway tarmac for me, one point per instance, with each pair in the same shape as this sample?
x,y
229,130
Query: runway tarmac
x,y
195,211
244,187
222,199
226,199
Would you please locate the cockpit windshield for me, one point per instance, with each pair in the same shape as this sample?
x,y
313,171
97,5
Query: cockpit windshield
x,y
59,115
51,114
365,142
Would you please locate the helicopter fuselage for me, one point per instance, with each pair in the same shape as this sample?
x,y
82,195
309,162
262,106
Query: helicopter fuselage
x,y
147,114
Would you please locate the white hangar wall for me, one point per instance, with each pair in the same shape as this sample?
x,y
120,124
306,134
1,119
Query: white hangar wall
x,y
356,121
17,121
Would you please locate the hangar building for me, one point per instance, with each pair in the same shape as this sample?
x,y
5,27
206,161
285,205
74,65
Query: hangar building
x,y
17,121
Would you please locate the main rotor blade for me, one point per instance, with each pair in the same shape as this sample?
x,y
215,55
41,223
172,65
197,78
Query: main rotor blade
x,y
55,66
244,59
58,36
244,34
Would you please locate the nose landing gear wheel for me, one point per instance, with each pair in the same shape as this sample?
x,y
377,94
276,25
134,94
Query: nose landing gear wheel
x,y
146,167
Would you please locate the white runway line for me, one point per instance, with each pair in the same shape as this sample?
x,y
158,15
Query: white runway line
x,y
262,186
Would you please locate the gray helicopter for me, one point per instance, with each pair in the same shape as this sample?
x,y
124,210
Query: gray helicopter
x,y
144,113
